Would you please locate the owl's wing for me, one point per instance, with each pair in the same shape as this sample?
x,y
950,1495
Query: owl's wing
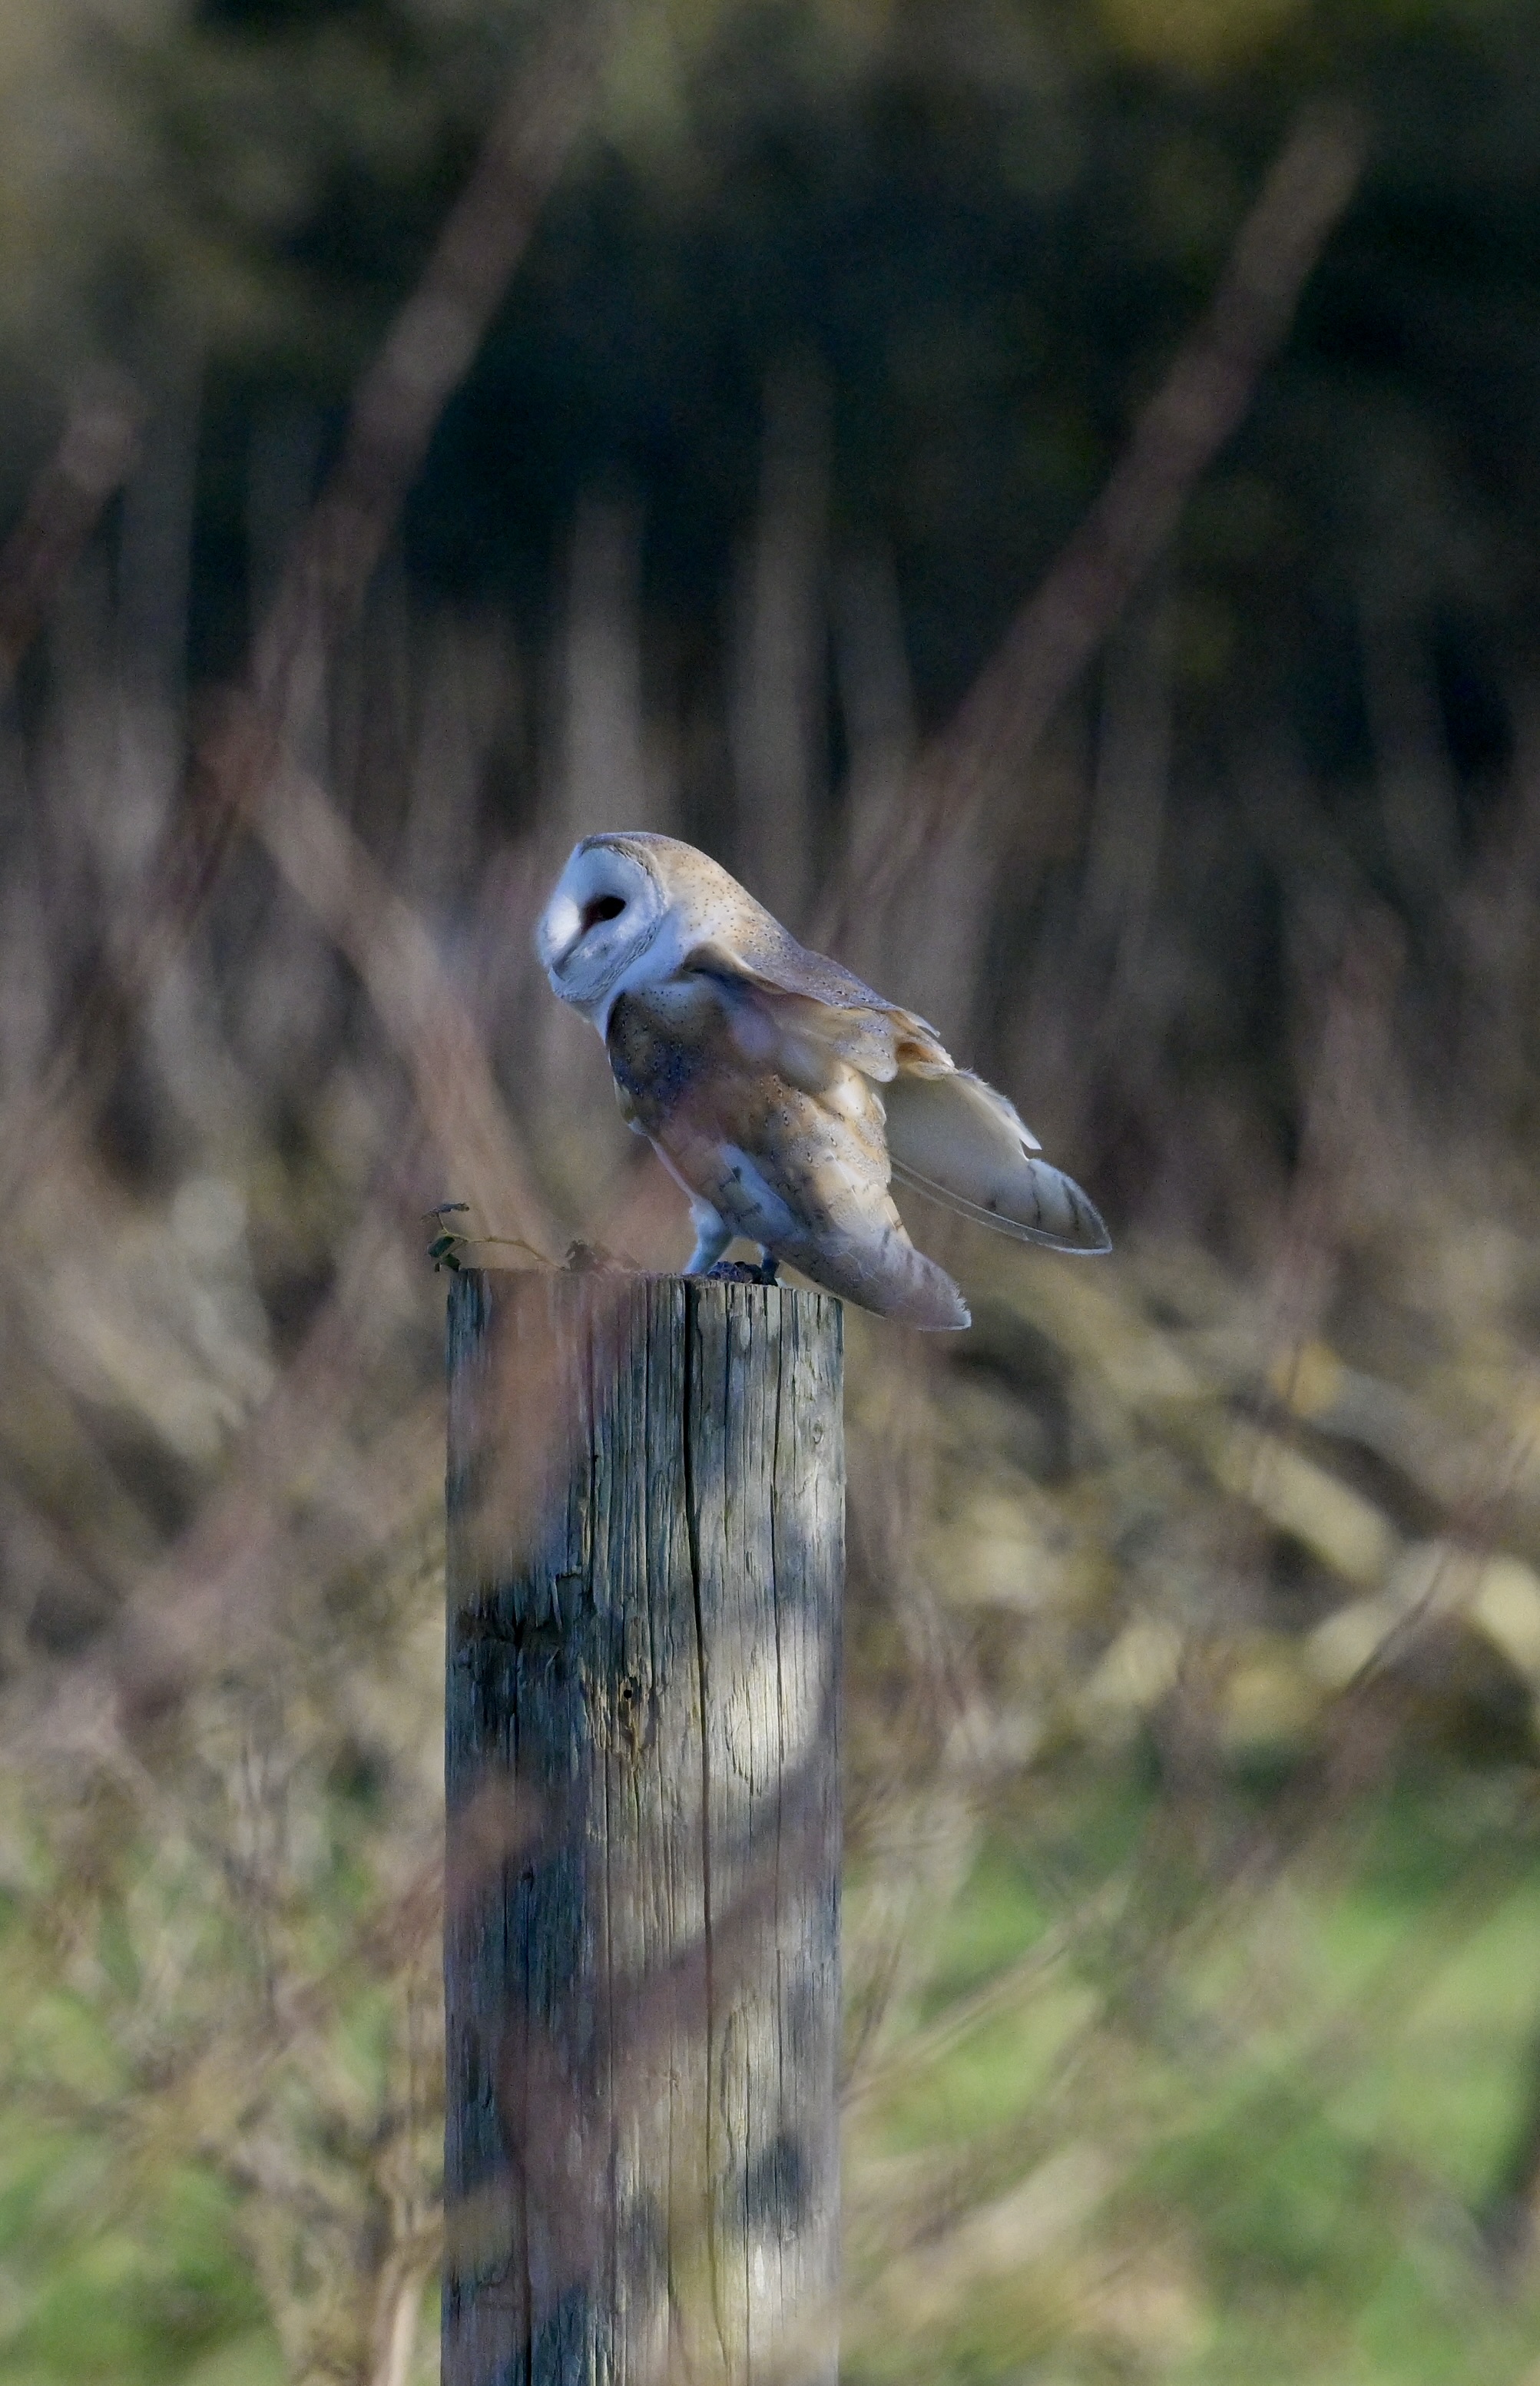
x,y
958,1140
949,1134
811,1001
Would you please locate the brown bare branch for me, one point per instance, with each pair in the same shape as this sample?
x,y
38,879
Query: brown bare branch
x,y
67,502
331,871
426,356
982,754
423,359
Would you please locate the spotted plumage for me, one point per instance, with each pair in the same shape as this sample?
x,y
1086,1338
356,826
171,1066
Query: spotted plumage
x,y
782,1094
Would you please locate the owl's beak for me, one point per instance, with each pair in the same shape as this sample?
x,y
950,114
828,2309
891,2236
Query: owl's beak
x,y
559,931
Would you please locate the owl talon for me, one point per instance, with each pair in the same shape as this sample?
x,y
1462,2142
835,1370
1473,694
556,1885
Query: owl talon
x,y
735,1272
588,1258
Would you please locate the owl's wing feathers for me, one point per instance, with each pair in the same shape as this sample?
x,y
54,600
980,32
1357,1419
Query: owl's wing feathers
x,y
790,1154
958,1141
949,1134
812,1000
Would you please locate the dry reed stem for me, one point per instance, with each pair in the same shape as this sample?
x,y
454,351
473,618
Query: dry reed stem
x,y
213,1596
331,870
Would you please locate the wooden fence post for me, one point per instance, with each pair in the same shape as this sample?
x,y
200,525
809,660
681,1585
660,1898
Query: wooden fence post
x,y
642,1937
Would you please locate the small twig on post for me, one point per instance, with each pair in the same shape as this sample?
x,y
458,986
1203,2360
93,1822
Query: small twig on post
x,y
640,1957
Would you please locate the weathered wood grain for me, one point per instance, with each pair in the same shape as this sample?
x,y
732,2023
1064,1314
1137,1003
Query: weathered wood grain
x,y
642,1946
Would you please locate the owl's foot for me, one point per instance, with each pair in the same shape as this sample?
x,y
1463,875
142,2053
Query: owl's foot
x,y
588,1258
738,1272
712,1236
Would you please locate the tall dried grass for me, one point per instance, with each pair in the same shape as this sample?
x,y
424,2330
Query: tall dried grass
x,y
1262,1493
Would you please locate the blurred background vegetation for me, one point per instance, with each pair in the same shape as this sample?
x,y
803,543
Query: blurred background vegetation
x,y
1194,1644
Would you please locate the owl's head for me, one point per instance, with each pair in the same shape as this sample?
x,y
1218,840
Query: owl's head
x,y
605,914
604,911
628,908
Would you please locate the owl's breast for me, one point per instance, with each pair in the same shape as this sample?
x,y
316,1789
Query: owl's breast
x,y
660,1043
700,1073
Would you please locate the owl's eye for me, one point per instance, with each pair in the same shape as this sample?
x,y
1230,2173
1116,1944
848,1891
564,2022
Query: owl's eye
x,y
604,907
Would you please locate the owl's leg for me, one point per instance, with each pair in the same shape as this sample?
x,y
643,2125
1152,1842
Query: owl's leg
x,y
767,1264
712,1236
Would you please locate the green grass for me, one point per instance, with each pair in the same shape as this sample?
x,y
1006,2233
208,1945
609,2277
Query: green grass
x,y
1302,2096
122,2271
1303,2106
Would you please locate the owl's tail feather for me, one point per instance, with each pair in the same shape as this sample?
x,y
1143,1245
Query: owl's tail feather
x,y
883,1272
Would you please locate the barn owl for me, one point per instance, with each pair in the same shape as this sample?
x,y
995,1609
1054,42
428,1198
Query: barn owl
x,y
781,1094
